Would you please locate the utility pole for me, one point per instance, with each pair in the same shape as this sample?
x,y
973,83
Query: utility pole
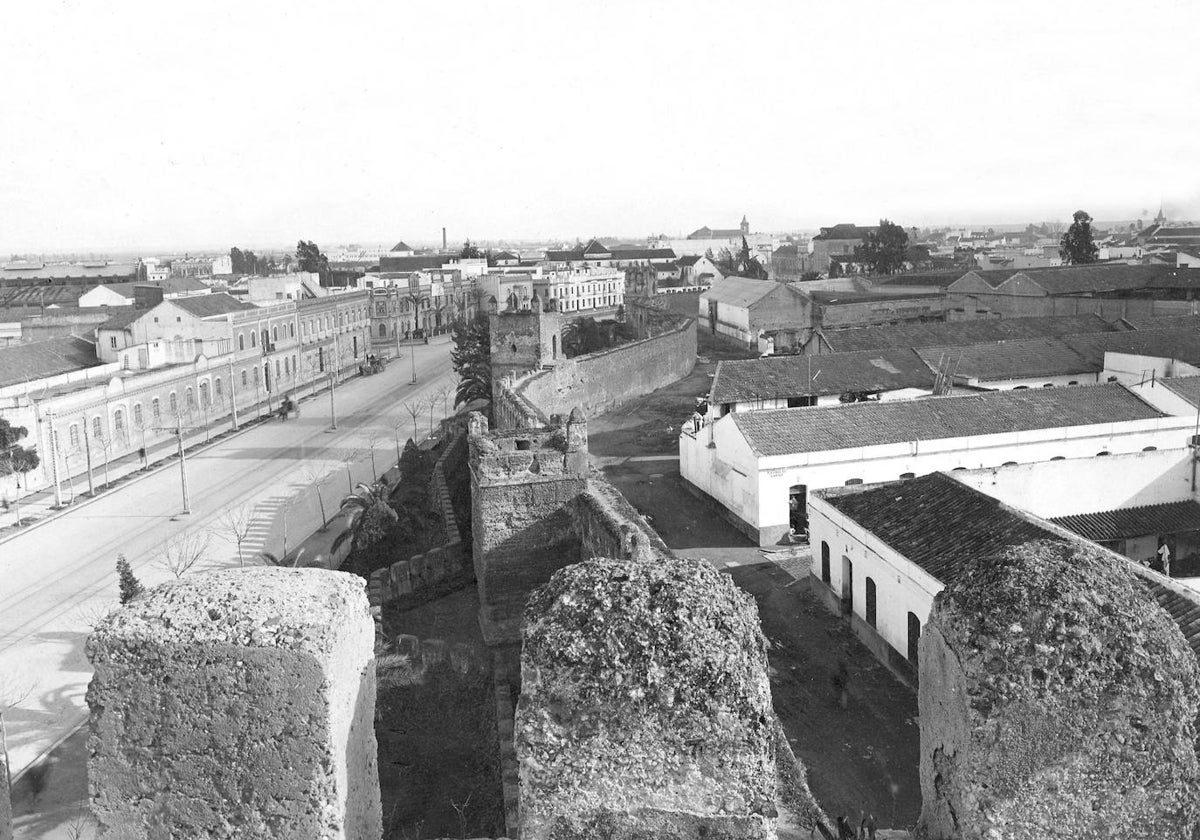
x,y
178,432
87,447
332,407
396,318
233,395
54,459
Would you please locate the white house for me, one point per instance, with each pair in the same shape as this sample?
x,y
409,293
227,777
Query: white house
x,y
761,465
881,553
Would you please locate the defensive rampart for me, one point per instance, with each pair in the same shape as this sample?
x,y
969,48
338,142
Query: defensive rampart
x,y
236,704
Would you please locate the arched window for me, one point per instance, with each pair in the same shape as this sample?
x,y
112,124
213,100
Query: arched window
x,y
137,415
189,399
871,602
1048,385
217,387
204,400
287,366
1021,388
291,329
1009,464
1073,382
850,482
554,347
73,436
119,424
173,403
908,475
274,334
1150,449
97,427
155,411
914,637
244,383
241,341
1103,452
253,339
383,330
1058,458
824,562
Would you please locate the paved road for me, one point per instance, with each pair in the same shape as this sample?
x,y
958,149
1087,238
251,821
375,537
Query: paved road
x,y
58,579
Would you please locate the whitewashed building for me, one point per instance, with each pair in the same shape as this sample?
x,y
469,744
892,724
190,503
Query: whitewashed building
x,y
761,465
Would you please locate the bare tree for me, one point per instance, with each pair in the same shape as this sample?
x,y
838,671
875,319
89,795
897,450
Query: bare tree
x,y
313,476
444,393
237,522
181,553
11,696
414,410
396,431
374,438
82,827
460,808
350,458
106,448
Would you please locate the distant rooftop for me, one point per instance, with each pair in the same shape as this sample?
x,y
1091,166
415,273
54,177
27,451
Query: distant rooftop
x,y
1016,359
1125,523
38,359
795,430
946,333
778,377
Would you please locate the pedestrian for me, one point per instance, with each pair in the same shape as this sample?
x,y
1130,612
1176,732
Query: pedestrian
x,y
1164,557
844,831
869,824
841,684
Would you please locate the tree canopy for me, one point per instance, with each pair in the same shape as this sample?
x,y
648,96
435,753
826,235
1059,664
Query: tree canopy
x,y
472,359
1077,246
15,458
741,264
247,262
884,251
310,258
470,251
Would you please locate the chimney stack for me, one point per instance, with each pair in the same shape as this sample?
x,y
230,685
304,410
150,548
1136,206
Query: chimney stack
x,y
443,239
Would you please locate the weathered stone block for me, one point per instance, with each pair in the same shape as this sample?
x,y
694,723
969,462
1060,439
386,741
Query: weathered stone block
x,y
645,709
1057,700
236,704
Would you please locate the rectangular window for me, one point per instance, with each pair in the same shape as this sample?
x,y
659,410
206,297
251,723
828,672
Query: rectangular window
x,y
112,342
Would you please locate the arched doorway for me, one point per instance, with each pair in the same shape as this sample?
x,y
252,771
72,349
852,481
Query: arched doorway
x,y
798,508
847,585
824,562
267,376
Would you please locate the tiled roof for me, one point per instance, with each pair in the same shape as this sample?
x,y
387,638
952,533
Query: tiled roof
x,y
1169,322
660,254
717,233
595,248
845,231
946,333
1123,523
1183,608
121,317
778,377
793,430
1081,278
1017,359
34,360
1187,387
741,291
206,306
417,263
844,298
938,523
686,261
37,271
401,246
786,251
930,278
1181,344
35,297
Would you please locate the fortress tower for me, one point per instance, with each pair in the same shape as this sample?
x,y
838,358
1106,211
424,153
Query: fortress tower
x,y
524,339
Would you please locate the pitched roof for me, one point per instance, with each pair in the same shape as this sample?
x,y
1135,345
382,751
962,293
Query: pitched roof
x,y
1181,344
938,523
741,291
57,271
660,254
846,231
942,333
686,261
1074,279
792,430
1124,523
1017,359
941,279
1165,322
206,306
401,246
944,527
416,263
786,251
778,377
1187,387
121,317
849,297
36,359
715,233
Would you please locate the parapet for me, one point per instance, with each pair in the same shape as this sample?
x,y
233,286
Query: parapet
x,y
237,703
515,455
1057,700
645,709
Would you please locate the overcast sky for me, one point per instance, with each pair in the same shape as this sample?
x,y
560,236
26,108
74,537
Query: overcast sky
x,y
201,125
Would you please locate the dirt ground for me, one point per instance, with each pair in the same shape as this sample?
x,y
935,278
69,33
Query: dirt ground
x,y
863,758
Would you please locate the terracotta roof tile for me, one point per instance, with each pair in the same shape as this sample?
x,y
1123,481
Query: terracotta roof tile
x,y
1123,523
778,377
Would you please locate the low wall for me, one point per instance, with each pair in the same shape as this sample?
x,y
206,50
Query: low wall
x,y
602,381
609,526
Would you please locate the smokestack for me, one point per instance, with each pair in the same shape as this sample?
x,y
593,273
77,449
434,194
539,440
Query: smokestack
x,y
443,239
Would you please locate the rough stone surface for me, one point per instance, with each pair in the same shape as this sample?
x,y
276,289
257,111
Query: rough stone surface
x,y
237,703
645,709
1057,700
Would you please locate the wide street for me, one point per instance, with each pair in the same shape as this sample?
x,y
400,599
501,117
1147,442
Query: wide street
x,y
58,578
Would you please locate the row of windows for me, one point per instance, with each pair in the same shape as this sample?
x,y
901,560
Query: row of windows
x,y
308,328
871,607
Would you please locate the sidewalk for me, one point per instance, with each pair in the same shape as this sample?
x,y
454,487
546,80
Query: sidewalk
x,y
40,506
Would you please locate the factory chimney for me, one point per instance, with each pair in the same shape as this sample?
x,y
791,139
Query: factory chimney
x,y
443,239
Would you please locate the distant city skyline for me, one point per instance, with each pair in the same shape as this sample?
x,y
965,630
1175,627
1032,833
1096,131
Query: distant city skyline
x,y
147,127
